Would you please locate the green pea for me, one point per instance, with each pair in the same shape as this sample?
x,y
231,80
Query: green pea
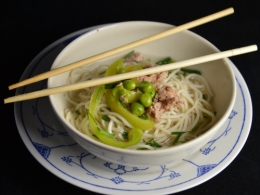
x,y
129,84
146,87
116,91
122,70
119,91
126,94
152,93
146,100
137,109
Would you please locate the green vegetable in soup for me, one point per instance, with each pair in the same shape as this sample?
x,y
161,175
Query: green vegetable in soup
x,y
114,104
167,60
153,143
146,87
134,135
146,99
105,118
178,135
137,109
129,84
189,71
129,54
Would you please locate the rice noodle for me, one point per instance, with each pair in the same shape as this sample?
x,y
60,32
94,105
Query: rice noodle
x,y
194,109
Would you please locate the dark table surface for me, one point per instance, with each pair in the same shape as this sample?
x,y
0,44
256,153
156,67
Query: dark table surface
x,y
27,27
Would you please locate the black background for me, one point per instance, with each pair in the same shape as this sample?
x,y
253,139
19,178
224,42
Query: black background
x,y
27,27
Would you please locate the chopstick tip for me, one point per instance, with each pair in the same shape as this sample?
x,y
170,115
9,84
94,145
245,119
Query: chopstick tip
x,y
230,10
5,102
11,87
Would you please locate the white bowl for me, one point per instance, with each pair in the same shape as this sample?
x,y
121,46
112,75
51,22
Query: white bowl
x,y
181,46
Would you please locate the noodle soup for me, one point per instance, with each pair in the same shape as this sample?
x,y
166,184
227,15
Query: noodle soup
x,y
203,102
179,109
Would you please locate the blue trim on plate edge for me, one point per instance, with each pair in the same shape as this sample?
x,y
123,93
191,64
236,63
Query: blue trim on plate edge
x,y
119,170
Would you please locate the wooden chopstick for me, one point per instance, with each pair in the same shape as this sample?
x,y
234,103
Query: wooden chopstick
x,y
133,74
123,48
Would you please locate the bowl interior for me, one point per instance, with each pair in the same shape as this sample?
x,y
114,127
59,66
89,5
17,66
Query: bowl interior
x,y
181,46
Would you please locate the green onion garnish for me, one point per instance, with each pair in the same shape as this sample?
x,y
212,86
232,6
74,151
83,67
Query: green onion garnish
x,y
111,85
142,149
125,135
122,103
129,54
178,135
167,60
189,71
105,118
153,143
145,117
77,112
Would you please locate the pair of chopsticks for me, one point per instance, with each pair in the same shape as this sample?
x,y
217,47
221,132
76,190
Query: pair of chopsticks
x,y
128,75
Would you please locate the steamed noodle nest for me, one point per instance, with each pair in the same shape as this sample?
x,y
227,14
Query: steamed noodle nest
x,y
192,117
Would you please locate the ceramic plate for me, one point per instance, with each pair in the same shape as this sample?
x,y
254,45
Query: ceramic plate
x,y
51,145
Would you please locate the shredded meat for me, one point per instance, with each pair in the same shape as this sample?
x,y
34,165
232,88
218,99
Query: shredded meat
x,y
156,79
137,57
165,99
156,111
123,99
